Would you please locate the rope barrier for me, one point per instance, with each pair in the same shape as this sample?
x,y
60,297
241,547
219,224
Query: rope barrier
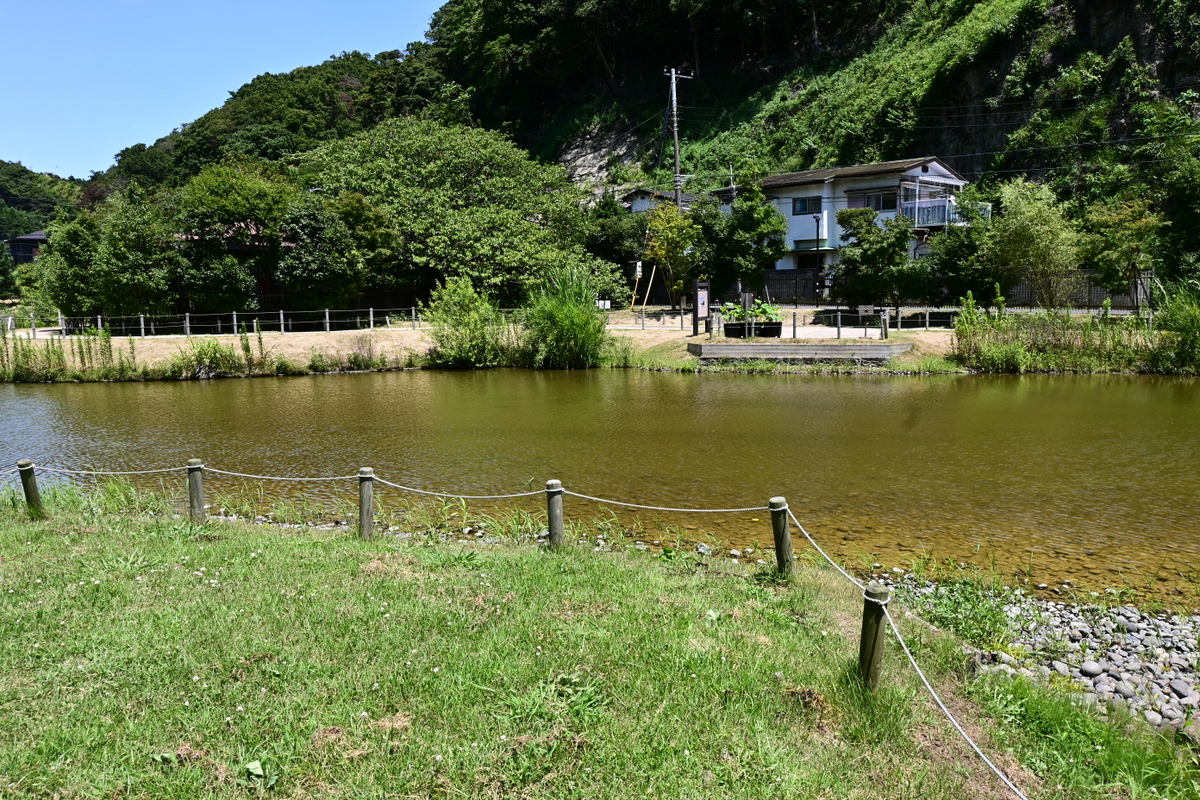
x,y
833,563
666,508
105,472
280,478
458,496
904,646
884,603
911,659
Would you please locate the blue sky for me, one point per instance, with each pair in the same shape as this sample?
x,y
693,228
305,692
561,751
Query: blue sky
x,y
85,79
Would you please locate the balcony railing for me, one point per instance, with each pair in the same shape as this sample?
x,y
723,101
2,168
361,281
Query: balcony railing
x,y
939,212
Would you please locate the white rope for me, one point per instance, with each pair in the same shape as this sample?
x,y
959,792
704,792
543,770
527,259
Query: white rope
x,y
666,508
833,563
459,496
277,477
904,646
108,472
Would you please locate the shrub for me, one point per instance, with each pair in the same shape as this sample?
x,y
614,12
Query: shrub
x,y
468,330
205,358
563,327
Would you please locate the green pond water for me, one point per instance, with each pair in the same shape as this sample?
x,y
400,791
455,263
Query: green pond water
x,y
1093,480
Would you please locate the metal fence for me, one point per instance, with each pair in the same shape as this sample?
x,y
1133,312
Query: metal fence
x,y
807,287
216,324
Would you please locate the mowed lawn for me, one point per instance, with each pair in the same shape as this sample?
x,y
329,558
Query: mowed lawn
x,y
144,657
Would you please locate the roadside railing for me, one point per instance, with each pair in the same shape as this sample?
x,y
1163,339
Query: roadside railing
x,y
876,597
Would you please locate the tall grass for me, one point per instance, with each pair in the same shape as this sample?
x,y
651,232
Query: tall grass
x,y
468,329
563,329
559,327
1057,342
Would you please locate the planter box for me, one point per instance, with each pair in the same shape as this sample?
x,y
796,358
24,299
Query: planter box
x,y
741,330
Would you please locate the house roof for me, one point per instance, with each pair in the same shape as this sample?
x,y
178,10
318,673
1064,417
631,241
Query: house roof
x,y
855,171
36,236
659,195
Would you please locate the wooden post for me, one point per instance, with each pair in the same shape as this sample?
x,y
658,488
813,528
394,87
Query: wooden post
x,y
366,503
32,327
784,559
187,324
195,476
927,319
870,644
554,513
643,319
62,325
142,324
33,498
883,325
327,320
413,313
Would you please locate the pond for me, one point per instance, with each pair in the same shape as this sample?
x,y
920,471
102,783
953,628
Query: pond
x,y
1085,479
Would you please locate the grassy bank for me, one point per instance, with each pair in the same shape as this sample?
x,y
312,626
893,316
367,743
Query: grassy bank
x,y
141,656
1057,342
100,357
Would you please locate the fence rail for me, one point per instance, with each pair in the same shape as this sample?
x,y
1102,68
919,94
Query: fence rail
x,y
876,598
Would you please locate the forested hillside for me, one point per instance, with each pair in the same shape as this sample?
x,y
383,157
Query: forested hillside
x,y
1097,98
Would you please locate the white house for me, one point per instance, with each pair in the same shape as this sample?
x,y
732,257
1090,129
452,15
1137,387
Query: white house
x,y
923,189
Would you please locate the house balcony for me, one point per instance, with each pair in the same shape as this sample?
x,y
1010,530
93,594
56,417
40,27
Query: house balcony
x,y
939,212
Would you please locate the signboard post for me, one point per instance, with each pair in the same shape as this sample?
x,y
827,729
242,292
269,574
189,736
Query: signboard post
x,y
700,311
747,304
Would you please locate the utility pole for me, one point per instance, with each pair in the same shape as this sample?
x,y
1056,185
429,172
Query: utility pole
x,y
675,74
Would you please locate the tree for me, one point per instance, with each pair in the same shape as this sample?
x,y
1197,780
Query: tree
x,y
753,240
957,260
8,274
463,201
231,218
319,264
875,266
1034,239
1120,241
671,244
137,263
62,275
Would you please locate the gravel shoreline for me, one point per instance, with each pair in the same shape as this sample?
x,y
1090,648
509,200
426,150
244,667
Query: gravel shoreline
x,y
1120,657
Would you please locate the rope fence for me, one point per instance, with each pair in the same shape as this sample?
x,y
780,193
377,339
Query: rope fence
x,y
876,598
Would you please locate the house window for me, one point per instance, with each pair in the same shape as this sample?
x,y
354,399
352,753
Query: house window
x,y
878,201
806,205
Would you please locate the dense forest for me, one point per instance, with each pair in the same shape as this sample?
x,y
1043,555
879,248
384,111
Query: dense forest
x,y
1097,99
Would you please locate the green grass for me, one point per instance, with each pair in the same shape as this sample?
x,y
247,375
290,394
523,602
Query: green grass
x,y
142,656
1077,751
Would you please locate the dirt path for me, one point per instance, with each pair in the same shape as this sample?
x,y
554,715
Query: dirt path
x,y
398,343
